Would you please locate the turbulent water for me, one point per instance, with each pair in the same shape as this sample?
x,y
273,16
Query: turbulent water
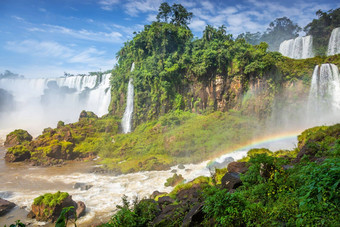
x,y
41,103
324,96
21,183
127,117
298,48
334,42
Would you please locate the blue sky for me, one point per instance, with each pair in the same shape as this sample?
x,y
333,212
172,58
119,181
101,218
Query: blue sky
x,y
45,38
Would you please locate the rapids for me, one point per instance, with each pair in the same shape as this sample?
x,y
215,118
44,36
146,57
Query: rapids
x,y
22,183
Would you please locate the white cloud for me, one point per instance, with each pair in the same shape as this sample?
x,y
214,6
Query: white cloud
x,y
111,37
208,6
42,49
18,18
151,17
197,25
134,7
188,4
62,57
108,4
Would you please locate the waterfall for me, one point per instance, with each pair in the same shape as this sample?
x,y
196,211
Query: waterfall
x,y
127,117
324,95
334,42
41,103
298,48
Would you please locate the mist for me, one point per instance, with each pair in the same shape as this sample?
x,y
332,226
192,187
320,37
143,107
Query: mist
x,y
34,104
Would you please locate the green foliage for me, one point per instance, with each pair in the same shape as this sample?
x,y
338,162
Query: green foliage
x,y
62,219
18,223
219,173
178,15
279,30
141,214
226,209
51,200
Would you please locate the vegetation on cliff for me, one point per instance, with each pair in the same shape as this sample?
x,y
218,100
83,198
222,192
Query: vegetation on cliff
x,y
290,188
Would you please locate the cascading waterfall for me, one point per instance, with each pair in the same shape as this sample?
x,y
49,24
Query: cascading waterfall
x,y
324,96
298,48
334,42
127,117
41,103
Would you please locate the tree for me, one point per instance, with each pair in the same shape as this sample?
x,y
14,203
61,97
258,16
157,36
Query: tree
x,y
181,16
251,38
321,29
178,14
279,30
164,12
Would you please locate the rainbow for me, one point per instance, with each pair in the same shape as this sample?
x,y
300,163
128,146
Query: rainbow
x,y
260,140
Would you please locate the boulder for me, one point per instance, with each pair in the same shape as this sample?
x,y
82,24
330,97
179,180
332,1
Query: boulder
x,y
194,217
165,200
237,167
181,166
5,206
17,153
17,137
231,181
51,211
82,186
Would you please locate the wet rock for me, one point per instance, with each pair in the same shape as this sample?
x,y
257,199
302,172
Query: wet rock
x,y
167,211
231,181
5,206
194,217
43,212
174,171
309,149
156,193
82,186
165,200
81,208
191,194
237,167
181,166
17,153
17,137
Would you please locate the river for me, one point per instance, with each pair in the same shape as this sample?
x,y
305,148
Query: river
x,y
21,183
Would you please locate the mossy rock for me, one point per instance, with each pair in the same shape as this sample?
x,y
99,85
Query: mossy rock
x,y
17,153
174,180
48,207
87,115
17,137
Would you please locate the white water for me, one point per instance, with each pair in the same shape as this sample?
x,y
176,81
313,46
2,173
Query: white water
x,y
334,42
324,96
127,117
298,48
41,103
21,184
